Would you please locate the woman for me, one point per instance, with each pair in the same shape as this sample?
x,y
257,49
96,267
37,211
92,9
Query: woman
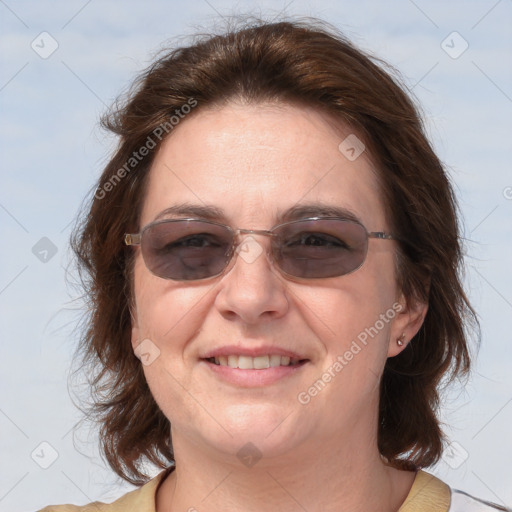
x,y
273,266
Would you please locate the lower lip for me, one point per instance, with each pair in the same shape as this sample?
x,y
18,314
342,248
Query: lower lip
x,y
253,378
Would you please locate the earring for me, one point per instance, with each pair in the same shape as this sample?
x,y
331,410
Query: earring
x,y
400,341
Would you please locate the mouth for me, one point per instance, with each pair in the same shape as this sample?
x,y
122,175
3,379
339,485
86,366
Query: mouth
x,y
244,371
256,363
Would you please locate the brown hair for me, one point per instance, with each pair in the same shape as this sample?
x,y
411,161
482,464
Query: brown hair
x,y
303,62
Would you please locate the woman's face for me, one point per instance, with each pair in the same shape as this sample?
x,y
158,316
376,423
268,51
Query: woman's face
x,y
253,163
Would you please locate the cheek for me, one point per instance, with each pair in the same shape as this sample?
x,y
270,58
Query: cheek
x,y
353,314
169,317
166,310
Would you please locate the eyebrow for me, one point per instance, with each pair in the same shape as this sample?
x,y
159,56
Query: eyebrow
x,y
299,211
318,209
207,212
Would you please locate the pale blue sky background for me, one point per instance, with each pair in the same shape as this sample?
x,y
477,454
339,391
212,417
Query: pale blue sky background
x,y
52,151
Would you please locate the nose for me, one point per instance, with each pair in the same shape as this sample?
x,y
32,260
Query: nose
x,y
252,290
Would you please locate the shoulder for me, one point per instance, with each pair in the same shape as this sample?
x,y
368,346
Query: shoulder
x,y
139,500
463,502
429,493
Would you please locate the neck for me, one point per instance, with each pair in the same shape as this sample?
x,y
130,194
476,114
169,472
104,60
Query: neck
x,y
351,477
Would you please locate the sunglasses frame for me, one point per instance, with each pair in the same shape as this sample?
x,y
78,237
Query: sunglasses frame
x,y
135,240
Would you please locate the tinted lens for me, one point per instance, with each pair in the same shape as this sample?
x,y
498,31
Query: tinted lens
x,y
185,250
320,248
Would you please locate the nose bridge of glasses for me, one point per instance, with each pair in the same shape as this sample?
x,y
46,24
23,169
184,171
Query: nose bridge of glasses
x,y
248,242
263,232
248,248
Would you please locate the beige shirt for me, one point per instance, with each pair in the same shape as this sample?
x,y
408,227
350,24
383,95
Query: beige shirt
x,y
427,494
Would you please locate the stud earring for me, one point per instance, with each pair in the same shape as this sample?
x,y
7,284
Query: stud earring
x,y
400,341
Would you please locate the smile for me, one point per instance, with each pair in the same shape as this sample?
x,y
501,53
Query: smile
x,y
254,372
254,363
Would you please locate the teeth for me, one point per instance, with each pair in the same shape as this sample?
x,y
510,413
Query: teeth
x,y
260,362
275,361
255,363
245,363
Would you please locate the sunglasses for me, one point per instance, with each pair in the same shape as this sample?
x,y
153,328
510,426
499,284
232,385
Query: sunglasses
x,y
312,248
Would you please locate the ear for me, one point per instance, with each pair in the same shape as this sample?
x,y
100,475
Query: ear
x,y
406,324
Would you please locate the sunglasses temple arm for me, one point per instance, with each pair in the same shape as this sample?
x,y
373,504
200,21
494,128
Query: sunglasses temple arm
x,y
132,239
381,235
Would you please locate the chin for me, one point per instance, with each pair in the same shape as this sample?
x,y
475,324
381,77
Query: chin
x,y
252,430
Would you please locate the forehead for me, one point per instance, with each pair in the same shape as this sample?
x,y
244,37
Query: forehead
x,y
254,162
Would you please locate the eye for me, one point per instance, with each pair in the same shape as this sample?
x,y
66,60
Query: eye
x,y
196,241
314,239
199,240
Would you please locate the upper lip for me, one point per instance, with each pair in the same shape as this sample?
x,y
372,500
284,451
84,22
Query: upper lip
x,y
263,350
